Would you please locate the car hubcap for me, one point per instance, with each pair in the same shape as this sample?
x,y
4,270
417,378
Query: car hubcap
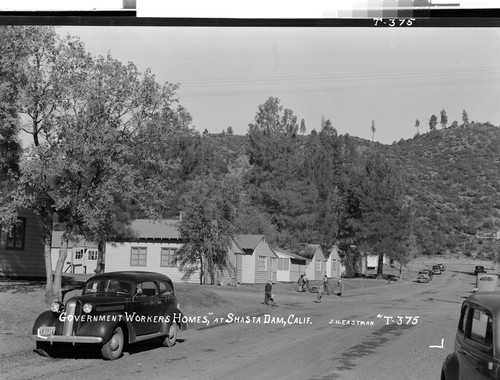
x,y
115,342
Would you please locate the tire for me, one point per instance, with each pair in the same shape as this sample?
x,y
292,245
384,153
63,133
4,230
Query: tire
x,y
45,349
170,339
113,348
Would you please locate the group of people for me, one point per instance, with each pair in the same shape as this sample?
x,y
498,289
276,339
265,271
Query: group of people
x,y
303,286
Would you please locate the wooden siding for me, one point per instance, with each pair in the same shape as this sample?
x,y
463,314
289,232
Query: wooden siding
x,y
29,262
118,259
229,274
311,272
263,249
248,269
78,263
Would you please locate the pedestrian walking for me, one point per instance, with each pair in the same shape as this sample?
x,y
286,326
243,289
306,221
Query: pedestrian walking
x,y
320,294
325,285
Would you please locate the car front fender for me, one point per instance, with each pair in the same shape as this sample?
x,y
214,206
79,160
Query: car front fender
x,y
103,326
450,368
48,319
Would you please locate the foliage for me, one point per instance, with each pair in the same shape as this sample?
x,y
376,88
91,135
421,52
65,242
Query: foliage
x,y
94,150
210,209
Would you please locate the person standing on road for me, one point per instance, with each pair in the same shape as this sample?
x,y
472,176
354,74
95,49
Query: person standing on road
x,y
325,285
268,297
301,283
306,283
341,286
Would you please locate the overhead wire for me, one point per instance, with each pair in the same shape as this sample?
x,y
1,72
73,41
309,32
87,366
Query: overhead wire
x,y
340,82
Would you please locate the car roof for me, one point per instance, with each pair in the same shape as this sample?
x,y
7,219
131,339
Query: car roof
x,y
489,300
132,276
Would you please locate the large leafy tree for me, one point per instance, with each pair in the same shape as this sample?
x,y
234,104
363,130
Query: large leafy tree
x,y
275,181
384,221
93,153
210,210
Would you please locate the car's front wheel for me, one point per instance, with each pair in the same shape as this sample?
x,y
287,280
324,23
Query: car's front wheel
x,y
45,349
170,339
113,348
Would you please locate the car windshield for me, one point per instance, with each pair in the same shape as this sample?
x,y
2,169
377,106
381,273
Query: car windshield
x,y
108,286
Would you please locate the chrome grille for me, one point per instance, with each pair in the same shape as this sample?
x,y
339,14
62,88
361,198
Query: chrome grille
x,y
68,323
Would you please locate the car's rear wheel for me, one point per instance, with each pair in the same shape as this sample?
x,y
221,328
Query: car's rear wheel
x,y
113,348
170,339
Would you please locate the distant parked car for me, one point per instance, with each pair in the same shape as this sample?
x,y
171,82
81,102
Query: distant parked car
x,y
114,309
423,276
478,269
436,269
476,352
429,272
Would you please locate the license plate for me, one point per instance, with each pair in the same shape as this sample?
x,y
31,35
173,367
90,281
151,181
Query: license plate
x,y
46,331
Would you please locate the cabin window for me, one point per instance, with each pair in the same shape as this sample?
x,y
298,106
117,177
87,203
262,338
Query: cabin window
x,y
92,255
138,256
318,265
79,254
283,264
334,264
167,257
262,263
15,239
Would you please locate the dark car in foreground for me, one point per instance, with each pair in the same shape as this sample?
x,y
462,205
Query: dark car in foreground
x,y
115,309
478,269
476,354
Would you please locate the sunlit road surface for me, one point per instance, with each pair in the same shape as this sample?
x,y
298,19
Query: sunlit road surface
x,y
398,331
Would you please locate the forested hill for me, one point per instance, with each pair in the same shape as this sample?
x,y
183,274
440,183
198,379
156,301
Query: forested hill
x,y
453,177
450,176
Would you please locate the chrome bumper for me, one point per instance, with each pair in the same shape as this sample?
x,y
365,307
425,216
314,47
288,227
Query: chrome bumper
x,y
68,339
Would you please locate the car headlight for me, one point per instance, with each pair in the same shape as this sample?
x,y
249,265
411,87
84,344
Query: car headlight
x,y
87,308
56,307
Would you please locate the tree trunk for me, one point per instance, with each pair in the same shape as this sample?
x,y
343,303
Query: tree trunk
x,y
47,221
349,262
400,271
202,273
101,251
380,267
56,286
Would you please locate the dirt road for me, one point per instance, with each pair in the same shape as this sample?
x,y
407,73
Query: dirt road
x,y
352,337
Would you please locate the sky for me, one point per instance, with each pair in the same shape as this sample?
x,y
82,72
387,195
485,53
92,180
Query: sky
x,y
349,75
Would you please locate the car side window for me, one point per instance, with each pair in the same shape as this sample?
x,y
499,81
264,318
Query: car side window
x,y
166,288
148,289
463,319
481,327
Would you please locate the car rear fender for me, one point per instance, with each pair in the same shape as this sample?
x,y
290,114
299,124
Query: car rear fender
x,y
173,314
450,367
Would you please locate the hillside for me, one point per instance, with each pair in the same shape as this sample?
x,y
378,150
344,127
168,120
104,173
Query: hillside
x,y
450,176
